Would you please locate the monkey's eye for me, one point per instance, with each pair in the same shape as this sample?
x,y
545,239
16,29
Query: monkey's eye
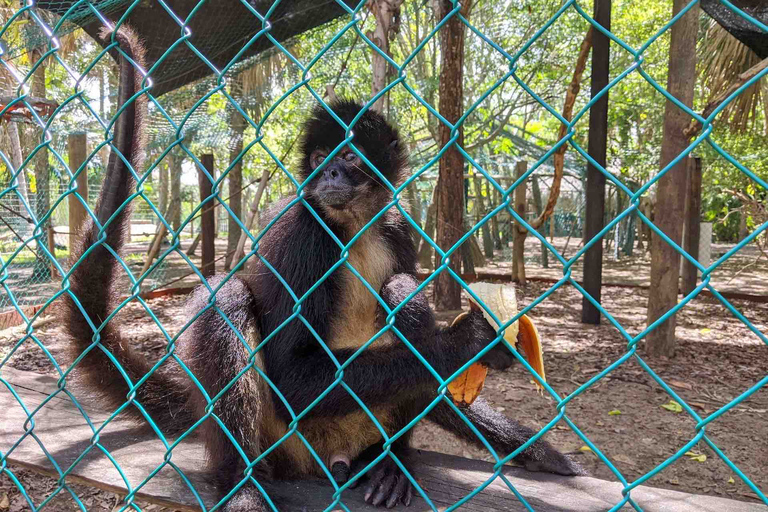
x,y
350,156
316,159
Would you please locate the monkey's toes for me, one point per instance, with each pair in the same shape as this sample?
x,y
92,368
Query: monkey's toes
x,y
388,485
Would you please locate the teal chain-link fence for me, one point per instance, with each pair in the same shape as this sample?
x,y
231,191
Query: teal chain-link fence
x,y
188,50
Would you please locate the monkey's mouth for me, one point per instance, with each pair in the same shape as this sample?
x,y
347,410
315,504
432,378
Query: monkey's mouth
x,y
335,197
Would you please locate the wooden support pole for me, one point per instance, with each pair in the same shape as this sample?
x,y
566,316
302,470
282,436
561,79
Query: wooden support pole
x,y
207,221
77,149
598,137
519,232
692,224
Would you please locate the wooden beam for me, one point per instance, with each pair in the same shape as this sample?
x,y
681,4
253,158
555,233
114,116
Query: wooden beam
x,y
446,479
692,231
597,148
207,221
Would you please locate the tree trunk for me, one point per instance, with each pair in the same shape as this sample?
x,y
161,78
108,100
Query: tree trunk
x,y
238,124
692,224
252,215
78,150
42,268
175,204
425,251
450,198
519,232
539,209
414,210
495,199
163,180
17,158
665,261
480,212
207,220
387,14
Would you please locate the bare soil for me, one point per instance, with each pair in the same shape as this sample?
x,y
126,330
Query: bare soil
x,y
717,359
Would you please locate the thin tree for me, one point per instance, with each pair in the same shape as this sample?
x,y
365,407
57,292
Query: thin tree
x,y
42,270
237,124
665,260
450,193
387,14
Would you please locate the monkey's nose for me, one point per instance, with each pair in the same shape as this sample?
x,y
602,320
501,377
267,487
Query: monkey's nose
x,y
331,173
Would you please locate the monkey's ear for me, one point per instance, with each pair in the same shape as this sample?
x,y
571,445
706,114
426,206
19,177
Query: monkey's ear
x,y
474,306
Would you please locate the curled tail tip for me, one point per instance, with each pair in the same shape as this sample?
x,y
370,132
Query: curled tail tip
x,y
128,39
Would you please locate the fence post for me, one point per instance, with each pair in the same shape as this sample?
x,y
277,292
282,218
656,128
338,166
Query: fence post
x,y
77,149
692,230
598,136
207,221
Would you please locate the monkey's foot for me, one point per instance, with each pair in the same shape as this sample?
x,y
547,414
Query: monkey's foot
x,y
387,485
247,499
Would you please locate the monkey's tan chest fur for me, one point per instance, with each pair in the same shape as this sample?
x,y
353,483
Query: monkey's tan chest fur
x,y
355,321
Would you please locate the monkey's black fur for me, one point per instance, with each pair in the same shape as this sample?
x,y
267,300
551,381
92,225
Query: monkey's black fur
x,y
386,376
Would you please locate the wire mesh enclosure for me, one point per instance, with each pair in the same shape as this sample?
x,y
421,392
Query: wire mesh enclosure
x,y
219,51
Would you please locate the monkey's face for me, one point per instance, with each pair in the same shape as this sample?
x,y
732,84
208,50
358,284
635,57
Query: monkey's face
x,y
346,188
343,178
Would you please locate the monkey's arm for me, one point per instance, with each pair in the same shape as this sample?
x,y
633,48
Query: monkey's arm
x,y
506,436
378,374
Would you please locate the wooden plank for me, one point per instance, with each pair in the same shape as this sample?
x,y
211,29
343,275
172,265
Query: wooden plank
x,y
597,148
446,479
207,220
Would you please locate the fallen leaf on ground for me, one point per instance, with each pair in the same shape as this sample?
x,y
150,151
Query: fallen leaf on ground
x,y
679,384
614,412
673,406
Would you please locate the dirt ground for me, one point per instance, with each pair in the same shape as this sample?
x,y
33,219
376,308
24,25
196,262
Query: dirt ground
x,y
717,359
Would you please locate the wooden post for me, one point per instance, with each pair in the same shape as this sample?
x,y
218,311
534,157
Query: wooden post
x,y
77,148
207,222
692,224
665,260
598,136
519,232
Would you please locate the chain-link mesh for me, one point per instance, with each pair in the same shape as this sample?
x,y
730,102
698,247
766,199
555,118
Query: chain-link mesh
x,y
176,125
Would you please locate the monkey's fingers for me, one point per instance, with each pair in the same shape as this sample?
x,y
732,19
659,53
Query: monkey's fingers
x,y
402,492
386,488
378,476
408,495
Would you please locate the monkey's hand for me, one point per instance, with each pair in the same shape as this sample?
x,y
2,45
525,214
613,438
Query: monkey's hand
x,y
475,331
542,456
387,484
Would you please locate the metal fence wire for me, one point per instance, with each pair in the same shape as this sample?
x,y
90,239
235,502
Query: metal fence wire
x,y
31,13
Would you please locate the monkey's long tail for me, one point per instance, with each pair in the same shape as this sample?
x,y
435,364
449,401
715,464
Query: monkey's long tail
x,y
92,281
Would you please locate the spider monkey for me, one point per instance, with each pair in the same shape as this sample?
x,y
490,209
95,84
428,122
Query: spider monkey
x,y
345,194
